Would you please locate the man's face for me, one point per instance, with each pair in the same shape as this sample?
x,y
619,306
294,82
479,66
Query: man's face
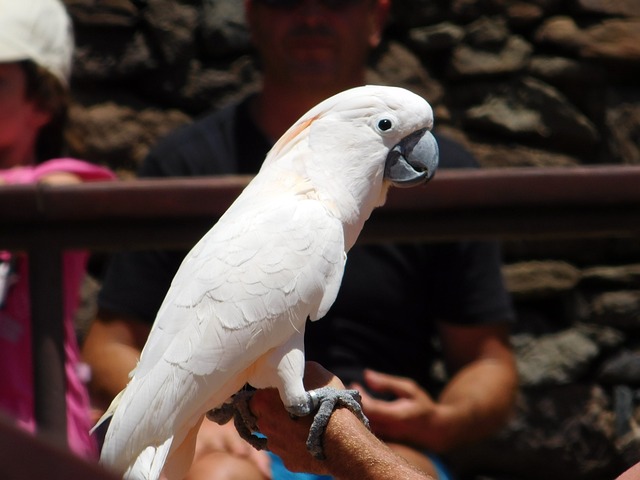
x,y
314,44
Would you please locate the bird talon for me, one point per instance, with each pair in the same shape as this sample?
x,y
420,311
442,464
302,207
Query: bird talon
x,y
328,399
222,414
243,418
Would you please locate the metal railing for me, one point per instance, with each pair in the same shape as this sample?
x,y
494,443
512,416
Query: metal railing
x,y
601,201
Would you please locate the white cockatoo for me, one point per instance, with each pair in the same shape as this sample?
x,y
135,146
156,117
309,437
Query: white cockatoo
x,y
236,310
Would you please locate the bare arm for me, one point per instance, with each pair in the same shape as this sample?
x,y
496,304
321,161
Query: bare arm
x,y
352,451
633,473
476,402
482,391
112,349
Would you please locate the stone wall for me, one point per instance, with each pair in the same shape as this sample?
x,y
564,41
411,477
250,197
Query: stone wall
x,y
520,83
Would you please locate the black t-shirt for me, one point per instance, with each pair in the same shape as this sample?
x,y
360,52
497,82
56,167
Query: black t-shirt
x,y
391,295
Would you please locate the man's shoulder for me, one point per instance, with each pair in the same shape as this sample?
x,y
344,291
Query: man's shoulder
x,y
206,127
453,154
203,147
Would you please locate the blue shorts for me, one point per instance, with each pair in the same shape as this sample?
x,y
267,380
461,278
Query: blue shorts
x,y
442,472
280,472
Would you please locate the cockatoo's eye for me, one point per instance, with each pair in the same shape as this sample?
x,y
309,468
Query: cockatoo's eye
x,y
385,124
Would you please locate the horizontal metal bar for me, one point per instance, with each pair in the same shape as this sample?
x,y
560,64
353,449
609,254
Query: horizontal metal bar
x,y
498,203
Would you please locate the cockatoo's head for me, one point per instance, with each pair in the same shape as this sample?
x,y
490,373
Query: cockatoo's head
x,y
351,147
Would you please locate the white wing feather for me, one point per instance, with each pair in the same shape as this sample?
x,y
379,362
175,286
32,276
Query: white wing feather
x,y
224,310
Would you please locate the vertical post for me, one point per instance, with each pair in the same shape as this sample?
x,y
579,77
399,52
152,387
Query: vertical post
x,y
47,317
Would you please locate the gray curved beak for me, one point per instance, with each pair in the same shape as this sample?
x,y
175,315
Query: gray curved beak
x,y
413,160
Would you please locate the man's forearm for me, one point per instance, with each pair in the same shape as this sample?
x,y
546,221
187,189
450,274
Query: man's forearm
x,y
352,451
112,350
110,368
355,453
480,399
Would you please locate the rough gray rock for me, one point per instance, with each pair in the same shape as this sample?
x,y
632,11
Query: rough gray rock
x,y
555,359
622,368
618,7
535,112
620,308
565,431
610,40
224,30
537,278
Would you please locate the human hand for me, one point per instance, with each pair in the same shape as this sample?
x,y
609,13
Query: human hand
x,y
412,416
213,437
286,436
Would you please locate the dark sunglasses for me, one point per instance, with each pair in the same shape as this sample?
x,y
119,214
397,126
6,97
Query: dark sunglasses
x,y
291,4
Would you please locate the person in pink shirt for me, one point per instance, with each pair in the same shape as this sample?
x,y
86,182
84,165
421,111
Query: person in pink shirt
x,y
36,47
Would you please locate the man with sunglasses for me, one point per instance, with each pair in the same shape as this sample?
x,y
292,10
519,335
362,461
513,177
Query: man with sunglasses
x,y
393,299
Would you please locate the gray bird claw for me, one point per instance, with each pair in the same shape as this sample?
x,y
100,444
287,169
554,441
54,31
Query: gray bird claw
x,y
222,414
325,399
329,399
243,419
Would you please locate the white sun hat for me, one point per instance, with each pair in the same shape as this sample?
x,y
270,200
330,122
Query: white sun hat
x,y
37,30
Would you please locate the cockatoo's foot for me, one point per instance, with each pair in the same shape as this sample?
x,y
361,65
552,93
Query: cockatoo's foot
x,y
327,399
243,419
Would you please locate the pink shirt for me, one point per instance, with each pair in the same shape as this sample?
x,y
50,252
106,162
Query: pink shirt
x,y
16,366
